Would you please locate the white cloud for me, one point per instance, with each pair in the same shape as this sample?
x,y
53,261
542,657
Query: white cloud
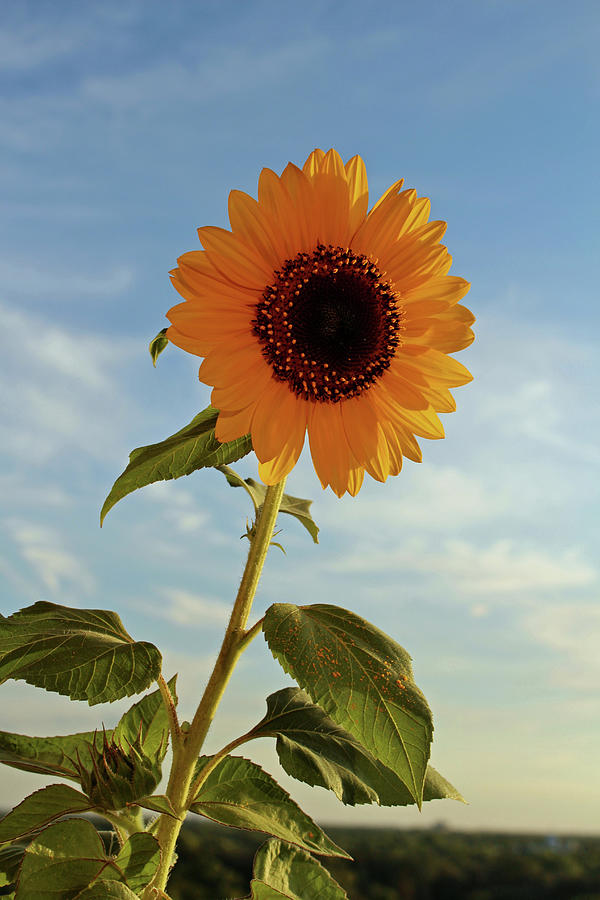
x,y
180,508
26,279
31,45
58,389
572,631
533,389
182,607
503,567
538,410
50,561
224,71
490,72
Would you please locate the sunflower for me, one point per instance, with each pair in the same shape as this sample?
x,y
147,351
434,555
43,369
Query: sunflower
x,y
315,315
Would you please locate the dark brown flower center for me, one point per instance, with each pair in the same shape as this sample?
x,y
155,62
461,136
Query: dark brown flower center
x,y
328,325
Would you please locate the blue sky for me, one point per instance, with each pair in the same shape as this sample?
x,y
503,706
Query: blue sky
x,y
124,126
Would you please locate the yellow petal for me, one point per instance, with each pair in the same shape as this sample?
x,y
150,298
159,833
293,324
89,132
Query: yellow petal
x,y
365,437
234,425
234,259
275,410
250,222
356,173
313,163
442,369
448,288
329,447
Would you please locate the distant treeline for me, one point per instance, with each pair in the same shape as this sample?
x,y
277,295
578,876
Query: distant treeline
x,y
215,863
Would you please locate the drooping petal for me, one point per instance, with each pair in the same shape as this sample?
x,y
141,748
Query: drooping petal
x,y
365,437
232,425
276,410
328,446
293,426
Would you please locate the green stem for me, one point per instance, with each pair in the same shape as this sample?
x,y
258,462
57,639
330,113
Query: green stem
x,y
251,633
187,747
215,760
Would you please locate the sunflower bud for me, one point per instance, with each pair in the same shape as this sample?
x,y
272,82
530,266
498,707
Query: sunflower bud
x,y
120,773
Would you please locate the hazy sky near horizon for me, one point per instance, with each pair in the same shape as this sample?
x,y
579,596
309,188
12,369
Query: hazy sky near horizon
x,y
123,127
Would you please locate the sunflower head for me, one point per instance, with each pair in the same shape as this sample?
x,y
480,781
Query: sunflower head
x,y
315,315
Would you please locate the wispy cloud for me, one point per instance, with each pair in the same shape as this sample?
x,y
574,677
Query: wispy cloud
x,y
223,71
31,45
504,567
181,509
491,71
50,561
58,389
572,631
187,608
46,282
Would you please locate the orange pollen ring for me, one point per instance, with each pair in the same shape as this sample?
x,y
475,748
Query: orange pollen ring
x,y
329,324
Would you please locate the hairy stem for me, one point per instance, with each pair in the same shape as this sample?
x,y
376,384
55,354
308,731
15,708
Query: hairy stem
x,y
187,747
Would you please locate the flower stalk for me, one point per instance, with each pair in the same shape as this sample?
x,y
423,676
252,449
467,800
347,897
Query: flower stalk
x,y
187,746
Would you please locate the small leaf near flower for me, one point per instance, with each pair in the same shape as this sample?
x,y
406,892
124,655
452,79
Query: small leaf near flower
x,y
193,447
293,506
157,345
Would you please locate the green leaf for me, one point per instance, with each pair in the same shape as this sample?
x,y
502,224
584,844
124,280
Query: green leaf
x,y
241,794
61,861
83,653
67,857
136,863
159,803
361,678
148,720
48,755
281,871
438,788
108,890
194,447
313,749
158,344
41,807
11,857
293,506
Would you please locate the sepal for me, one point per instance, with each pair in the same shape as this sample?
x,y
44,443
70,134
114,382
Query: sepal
x,y
118,774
